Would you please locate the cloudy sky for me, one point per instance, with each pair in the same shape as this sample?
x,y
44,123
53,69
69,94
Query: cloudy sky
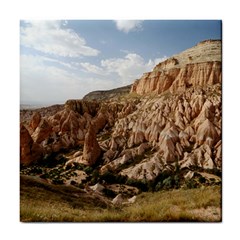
x,y
66,59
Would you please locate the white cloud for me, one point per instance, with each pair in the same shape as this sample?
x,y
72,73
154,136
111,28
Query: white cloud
x,y
46,83
68,65
93,68
49,80
42,82
65,23
49,37
128,25
156,61
127,69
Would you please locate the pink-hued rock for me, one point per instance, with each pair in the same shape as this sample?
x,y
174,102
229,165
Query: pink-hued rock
x,y
177,117
206,130
91,150
197,66
42,132
36,119
30,152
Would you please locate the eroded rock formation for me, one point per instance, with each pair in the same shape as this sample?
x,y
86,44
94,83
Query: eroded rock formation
x,y
174,119
30,151
91,150
197,66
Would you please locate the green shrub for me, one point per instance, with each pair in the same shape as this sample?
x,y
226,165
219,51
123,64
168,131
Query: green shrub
x,y
168,183
44,176
140,184
121,179
51,160
88,169
95,177
109,177
57,181
109,193
158,186
191,184
201,179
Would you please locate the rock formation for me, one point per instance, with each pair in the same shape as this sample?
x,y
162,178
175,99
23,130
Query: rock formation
x,y
173,117
118,200
91,150
106,95
36,119
197,66
29,150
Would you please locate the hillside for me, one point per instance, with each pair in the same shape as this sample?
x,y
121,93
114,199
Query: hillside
x,y
163,132
42,202
108,94
198,66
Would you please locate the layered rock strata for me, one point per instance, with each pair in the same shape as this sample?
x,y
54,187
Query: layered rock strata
x,y
197,66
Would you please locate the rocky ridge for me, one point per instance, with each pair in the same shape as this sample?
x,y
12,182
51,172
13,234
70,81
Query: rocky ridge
x,y
167,131
197,66
108,94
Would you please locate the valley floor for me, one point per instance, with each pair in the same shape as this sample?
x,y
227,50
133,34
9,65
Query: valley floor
x,y
44,202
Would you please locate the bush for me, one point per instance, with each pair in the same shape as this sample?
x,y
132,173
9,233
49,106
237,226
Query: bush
x,y
158,186
88,169
36,170
121,179
109,177
94,177
191,184
81,185
44,176
57,181
140,184
109,193
168,183
176,181
201,179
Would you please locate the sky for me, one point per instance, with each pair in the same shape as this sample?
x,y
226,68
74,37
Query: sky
x,y
66,59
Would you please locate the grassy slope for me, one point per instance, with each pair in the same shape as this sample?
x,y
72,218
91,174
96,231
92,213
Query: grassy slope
x,y
41,202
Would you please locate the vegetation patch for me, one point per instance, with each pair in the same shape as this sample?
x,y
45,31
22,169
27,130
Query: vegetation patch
x,y
42,202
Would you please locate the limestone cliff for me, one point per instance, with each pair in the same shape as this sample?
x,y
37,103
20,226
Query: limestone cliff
x,y
197,66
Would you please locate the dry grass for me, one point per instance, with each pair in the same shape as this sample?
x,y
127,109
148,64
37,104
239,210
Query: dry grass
x,y
178,205
39,204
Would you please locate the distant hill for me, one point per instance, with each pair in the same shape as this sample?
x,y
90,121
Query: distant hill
x,y
105,95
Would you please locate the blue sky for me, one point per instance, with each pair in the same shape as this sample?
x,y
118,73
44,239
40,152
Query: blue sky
x,y
62,59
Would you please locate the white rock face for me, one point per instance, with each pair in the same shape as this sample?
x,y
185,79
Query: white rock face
x,y
97,187
147,169
118,200
197,66
132,199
